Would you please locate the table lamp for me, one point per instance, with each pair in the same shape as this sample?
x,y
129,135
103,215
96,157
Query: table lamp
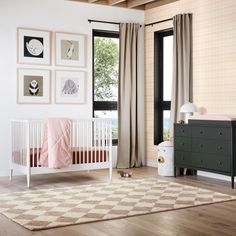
x,y
188,108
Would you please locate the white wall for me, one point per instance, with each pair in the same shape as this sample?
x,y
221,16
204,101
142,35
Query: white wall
x,y
53,15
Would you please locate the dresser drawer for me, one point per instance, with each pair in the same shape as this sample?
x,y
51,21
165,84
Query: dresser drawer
x,y
218,147
182,144
211,132
211,162
182,130
182,158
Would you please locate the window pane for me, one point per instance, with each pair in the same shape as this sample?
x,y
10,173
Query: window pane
x,y
168,67
114,117
166,125
106,62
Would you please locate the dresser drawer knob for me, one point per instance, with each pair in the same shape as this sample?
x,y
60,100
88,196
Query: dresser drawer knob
x,y
182,144
220,133
200,132
201,161
182,130
220,148
201,145
220,163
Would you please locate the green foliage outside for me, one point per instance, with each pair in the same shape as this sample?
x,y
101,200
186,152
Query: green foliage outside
x,y
114,132
166,134
106,56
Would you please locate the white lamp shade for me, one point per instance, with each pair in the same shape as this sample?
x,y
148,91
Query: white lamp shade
x,y
188,107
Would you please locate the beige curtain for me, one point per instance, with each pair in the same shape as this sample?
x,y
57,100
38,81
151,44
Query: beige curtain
x,y
131,98
182,65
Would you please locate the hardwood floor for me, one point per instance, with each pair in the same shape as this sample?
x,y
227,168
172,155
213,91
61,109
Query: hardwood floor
x,y
215,219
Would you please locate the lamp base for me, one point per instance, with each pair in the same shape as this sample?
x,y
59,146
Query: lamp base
x,y
187,117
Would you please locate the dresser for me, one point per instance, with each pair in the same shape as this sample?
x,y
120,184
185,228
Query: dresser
x,y
207,145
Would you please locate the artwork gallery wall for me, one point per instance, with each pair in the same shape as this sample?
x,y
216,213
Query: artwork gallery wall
x,y
59,17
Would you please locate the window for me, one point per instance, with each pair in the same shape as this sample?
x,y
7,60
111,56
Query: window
x,y
105,77
163,61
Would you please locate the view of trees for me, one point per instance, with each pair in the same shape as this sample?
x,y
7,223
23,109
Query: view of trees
x,y
166,134
106,62
106,58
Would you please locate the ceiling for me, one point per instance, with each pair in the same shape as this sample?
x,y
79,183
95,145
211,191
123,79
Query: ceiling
x,y
131,4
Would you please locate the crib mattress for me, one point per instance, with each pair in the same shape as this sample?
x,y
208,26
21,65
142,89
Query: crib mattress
x,y
79,156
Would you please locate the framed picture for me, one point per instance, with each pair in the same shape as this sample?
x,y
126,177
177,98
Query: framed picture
x,y
70,87
34,86
70,49
33,46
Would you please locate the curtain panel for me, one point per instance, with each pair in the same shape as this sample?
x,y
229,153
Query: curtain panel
x,y
131,98
182,66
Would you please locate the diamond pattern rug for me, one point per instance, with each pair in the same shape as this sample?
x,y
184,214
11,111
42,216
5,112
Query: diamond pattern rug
x,y
43,209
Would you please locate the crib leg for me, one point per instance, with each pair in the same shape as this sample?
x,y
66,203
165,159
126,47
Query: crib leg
x,y
28,179
110,173
11,174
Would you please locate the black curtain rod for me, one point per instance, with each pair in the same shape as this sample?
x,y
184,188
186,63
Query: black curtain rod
x,y
158,22
105,22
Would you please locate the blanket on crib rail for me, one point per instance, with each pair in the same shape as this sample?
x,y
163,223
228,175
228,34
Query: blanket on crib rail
x,y
56,149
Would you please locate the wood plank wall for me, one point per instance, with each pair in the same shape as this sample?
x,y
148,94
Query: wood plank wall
x,y
214,57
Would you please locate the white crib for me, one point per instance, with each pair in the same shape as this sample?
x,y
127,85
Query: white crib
x,y
91,146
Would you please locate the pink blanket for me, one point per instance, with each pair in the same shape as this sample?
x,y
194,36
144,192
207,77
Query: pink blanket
x,y
56,148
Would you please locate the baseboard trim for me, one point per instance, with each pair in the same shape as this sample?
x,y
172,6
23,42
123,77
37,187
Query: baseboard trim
x,y
214,176
152,164
200,173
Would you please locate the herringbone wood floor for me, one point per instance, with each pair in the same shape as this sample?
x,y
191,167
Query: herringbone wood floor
x,y
216,219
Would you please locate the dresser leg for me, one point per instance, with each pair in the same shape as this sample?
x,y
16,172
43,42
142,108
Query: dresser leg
x,y
175,172
232,181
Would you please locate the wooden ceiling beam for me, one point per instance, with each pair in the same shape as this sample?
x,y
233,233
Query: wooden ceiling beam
x,y
158,3
115,2
92,1
137,3
134,4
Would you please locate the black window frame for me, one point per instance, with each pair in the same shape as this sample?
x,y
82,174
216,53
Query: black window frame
x,y
159,104
103,105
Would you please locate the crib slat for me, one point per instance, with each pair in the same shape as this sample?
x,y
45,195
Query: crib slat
x,y
21,141
91,141
103,140
38,137
18,141
95,139
106,140
87,152
76,143
99,143
79,141
83,142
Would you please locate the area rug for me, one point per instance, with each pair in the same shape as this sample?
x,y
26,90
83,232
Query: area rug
x,y
43,209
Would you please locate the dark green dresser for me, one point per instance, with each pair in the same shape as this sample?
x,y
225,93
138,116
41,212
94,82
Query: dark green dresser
x,y
206,145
